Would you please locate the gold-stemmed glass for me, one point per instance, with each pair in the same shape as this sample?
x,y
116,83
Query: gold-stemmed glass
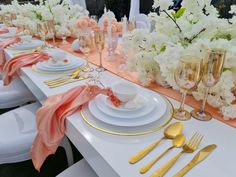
x,y
85,45
212,68
99,39
42,31
187,76
51,30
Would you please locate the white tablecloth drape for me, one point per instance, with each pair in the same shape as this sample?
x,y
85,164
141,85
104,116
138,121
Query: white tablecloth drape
x,y
82,3
134,8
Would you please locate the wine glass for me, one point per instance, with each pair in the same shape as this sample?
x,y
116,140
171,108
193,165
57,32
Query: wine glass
x,y
42,31
131,25
64,32
213,66
187,76
85,45
112,43
51,30
99,39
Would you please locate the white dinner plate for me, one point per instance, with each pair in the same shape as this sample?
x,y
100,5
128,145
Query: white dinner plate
x,y
124,107
100,99
71,63
153,116
7,35
34,43
43,66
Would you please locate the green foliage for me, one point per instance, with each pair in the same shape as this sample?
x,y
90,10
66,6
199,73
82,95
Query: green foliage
x,y
180,12
163,48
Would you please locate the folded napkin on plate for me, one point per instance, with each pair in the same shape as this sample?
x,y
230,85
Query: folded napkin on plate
x,y
51,117
11,68
4,30
3,45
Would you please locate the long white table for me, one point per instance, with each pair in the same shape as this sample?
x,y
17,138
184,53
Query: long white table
x,y
108,154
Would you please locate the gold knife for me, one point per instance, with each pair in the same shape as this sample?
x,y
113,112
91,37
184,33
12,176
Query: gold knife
x,y
199,157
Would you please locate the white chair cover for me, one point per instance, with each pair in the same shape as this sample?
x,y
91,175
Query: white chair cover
x,y
17,132
15,94
82,3
142,21
134,8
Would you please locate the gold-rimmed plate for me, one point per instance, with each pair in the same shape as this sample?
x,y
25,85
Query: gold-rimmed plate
x,y
128,131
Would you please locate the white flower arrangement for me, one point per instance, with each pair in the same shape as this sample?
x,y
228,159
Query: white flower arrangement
x,y
195,27
63,14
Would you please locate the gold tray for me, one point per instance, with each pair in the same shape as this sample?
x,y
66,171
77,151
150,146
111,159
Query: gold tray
x,y
128,131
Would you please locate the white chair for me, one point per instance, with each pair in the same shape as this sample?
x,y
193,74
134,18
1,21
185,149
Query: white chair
x,y
134,9
142,21
17,133
79,169
15,94
82,3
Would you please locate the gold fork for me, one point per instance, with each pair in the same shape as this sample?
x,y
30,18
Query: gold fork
x,y
63,78
189,147
76,79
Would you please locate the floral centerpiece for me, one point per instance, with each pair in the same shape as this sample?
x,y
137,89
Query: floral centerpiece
x,y
193,29
61,12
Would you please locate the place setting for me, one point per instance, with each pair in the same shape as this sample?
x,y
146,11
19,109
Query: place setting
x,y
26,43
137,112
174,133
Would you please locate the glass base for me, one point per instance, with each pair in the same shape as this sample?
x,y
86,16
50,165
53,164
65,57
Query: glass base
x,y
100,69
185,115
202,116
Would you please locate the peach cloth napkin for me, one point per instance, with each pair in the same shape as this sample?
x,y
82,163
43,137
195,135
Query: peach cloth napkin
x,y
4,30
3,45
11,68
50,119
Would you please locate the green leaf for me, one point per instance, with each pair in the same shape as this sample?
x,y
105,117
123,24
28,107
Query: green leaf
x,y
163,48
227,69
154,46
228,37
180,12
173,15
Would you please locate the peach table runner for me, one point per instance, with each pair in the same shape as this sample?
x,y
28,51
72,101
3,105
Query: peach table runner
x,y
131,76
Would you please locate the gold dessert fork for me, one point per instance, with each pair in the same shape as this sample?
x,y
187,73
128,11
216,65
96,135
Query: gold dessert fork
x,y
189,147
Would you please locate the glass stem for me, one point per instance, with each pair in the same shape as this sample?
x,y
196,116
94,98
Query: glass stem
x,y
205,99
181,108
100,57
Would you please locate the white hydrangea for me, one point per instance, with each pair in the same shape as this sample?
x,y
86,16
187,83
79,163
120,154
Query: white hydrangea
x,y
163,4
191,32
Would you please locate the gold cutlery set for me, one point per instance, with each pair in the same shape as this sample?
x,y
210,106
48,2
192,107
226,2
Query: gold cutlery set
x,y
174,132
77,75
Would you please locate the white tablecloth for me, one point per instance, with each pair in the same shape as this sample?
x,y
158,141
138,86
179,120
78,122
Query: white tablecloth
x,y
108,154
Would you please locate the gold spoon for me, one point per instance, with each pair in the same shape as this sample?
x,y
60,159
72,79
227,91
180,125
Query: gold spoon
x,y
170,132
177,142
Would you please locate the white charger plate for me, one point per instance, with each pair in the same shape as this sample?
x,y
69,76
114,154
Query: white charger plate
x,y
153,116
100,99
34,43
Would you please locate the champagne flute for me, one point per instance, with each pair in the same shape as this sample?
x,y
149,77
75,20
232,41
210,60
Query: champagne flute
x,y
52,30
213,66
99,39
42,30
187,76
85,45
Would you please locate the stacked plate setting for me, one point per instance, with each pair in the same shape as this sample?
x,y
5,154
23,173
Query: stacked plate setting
x,y
151,109
27,45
